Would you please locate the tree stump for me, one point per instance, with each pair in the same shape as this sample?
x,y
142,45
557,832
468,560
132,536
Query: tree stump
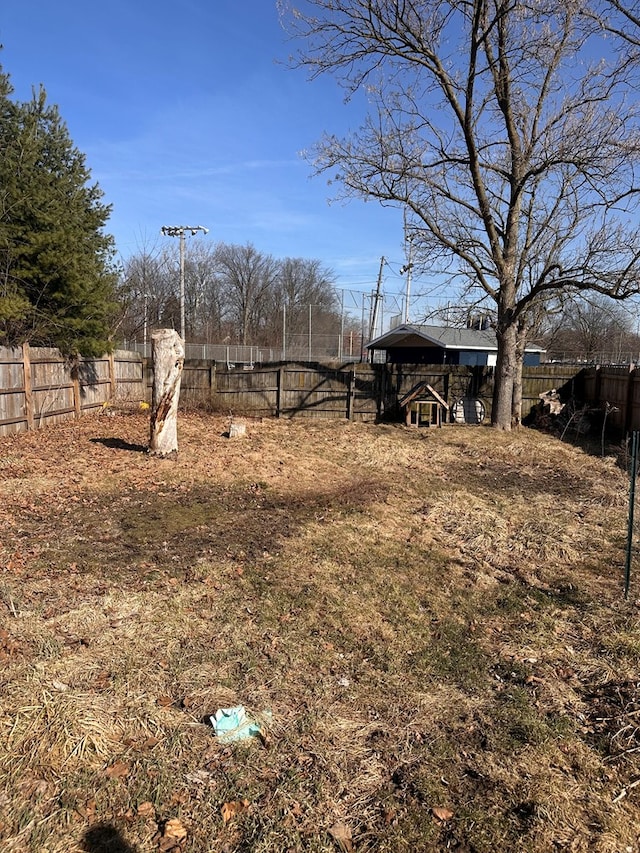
x,y
167,351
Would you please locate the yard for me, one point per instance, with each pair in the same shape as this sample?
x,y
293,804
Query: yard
x,y
428,624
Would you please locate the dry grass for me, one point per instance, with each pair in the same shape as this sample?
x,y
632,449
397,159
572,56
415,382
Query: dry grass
x,y
433,619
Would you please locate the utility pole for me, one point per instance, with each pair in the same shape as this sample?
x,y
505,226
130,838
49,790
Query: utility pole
x,y
407,269
376,301
341,341
146,323
179,231
284,331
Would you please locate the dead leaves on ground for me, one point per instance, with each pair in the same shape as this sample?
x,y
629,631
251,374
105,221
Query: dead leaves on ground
x,y
442,813
147,810
233,809
173,835
118,770
8,646
86,811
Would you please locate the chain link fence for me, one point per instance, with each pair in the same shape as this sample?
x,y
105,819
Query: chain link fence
x,y
314,348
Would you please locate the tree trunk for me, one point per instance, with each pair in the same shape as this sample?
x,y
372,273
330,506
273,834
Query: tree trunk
x,y
516,410
504,378
168,359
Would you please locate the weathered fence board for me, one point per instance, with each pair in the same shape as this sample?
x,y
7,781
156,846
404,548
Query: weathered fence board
x,y
38,386
614,385
633,403
615,388
320,392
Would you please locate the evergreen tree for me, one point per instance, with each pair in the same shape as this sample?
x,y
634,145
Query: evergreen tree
x,y
57,278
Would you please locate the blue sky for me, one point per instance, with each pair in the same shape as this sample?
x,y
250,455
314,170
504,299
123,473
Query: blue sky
x,y
188,114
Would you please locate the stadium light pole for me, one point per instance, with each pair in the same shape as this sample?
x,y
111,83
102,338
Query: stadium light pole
x,y
180,231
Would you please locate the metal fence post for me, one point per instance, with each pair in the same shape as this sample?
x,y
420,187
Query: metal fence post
x,y
632,496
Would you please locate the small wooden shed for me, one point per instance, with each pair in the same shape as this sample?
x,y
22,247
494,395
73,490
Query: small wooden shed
x,y
423,406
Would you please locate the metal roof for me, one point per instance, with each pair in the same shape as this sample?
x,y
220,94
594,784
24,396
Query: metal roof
x,y
410,335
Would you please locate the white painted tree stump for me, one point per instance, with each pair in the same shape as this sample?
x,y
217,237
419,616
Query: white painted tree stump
x,y
167,351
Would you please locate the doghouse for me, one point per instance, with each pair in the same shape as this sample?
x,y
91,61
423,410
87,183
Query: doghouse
x,y
423,406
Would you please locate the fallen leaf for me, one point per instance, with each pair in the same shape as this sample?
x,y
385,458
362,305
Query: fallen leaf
x,y
175,829
565,673
164,701
118,770
233,808
87,811
442,813
199,777
146,809
173,834
179,798
390,816
102,680
341,833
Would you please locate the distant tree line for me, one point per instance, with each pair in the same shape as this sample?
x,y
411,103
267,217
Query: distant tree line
x,y
59,284
592,330
233,294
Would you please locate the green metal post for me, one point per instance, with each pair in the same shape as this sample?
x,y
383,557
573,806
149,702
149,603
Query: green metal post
x,y
632,500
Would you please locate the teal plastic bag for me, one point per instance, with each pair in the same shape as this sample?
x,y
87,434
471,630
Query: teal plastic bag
x,y
232,724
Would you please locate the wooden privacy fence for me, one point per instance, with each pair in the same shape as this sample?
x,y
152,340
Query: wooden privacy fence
x,y
356,392
39,387
620,388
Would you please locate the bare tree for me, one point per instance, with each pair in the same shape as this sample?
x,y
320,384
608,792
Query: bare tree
x,y
248,277
512,148
592,327
621,19
146,291
207,303
302,283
